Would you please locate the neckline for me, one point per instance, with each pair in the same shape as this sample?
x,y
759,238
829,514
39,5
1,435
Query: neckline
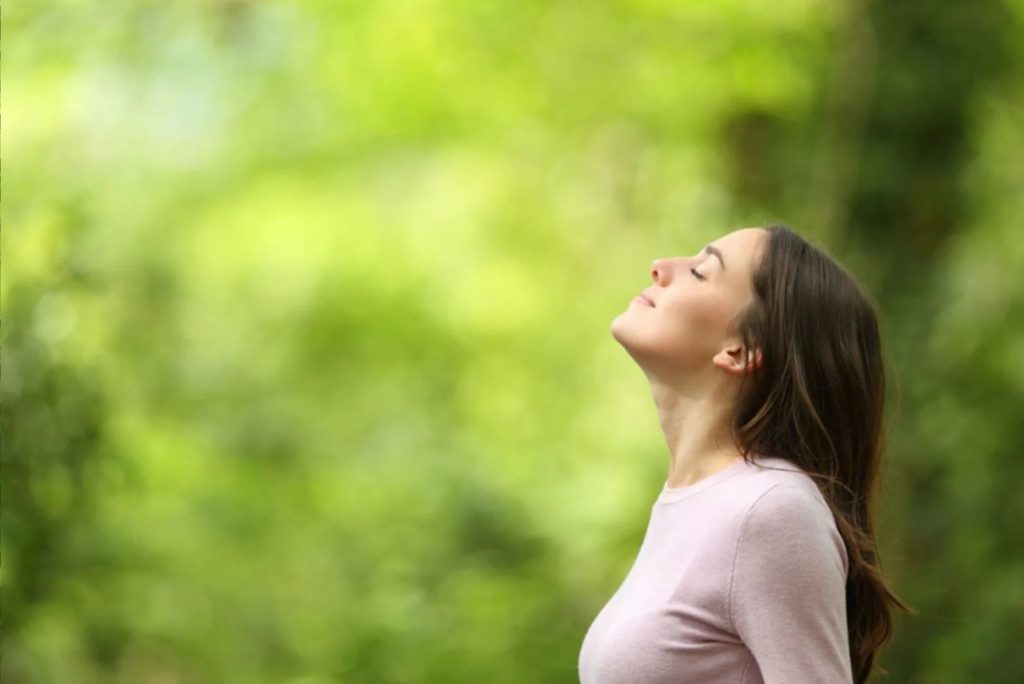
x,y
672,494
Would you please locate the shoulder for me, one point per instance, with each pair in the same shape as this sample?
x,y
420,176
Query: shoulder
x,y
770,482
783,504
788,583
774,482
789,519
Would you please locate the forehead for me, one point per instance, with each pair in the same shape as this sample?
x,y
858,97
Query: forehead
x,y
740,247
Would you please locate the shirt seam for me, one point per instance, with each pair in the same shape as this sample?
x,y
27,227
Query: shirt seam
x,y
746,666
736,552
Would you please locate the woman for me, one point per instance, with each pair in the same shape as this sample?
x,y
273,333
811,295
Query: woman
x,y
759,563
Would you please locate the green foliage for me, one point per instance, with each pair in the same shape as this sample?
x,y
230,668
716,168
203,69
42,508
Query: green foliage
x,y
306,367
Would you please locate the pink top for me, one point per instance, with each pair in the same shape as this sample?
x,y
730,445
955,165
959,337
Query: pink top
x,y
741,578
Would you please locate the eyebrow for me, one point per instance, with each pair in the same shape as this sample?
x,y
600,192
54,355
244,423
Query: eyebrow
x,y
714,250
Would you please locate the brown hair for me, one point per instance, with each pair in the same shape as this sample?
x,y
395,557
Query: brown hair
x,y
817,400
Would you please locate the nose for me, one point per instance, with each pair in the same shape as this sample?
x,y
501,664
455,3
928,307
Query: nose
x,y
660,271
663,269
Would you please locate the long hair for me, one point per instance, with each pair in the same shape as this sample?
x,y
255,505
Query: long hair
x,y
817,400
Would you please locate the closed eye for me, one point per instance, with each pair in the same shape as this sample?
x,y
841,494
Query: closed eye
x,y
698,276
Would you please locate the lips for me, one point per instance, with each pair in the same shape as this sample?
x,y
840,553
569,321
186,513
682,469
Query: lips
x,y
643,295
643,300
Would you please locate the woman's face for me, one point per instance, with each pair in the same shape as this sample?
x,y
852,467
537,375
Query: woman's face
x,y
693,301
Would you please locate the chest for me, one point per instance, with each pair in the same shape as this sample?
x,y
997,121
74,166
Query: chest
x,y
668,621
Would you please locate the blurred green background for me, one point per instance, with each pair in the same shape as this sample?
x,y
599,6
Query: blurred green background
x,y
306,370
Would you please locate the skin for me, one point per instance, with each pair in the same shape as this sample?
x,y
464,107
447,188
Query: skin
x,y
688,348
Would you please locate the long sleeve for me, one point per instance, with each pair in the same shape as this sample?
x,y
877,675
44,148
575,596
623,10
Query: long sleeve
x,y
787,597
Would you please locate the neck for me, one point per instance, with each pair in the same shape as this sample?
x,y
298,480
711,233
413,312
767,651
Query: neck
x,y
696,428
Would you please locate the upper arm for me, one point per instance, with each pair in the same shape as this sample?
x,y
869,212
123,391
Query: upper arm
x,y
787,595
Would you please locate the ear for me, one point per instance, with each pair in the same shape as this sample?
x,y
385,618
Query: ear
x,y
736,360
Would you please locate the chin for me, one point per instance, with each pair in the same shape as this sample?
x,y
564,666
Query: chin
x,y
620,330
618,327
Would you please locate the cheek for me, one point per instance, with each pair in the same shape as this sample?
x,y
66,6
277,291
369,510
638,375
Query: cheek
x,y
690,329
685,330
701,315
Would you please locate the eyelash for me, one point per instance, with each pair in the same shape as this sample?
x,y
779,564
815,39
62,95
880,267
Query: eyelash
x,y
697,275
